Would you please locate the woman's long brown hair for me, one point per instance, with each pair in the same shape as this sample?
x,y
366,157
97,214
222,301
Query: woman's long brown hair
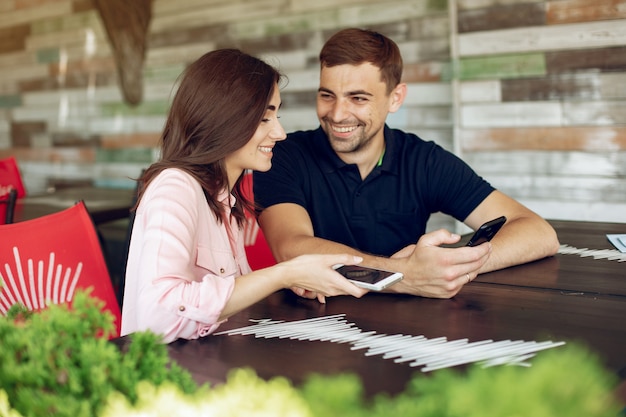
x,y
220,102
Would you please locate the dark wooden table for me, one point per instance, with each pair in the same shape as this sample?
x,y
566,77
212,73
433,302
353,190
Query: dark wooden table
x,y
562,298
104,204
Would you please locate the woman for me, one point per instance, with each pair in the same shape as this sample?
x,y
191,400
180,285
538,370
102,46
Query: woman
x,y
187,270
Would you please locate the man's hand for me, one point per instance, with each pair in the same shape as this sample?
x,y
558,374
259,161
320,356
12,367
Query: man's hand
x,y
438,272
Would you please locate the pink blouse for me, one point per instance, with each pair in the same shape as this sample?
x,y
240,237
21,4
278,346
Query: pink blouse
x,y
182,263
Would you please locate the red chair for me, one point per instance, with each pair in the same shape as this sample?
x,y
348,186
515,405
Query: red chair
x,y
11,188
257,250
7,207
45,260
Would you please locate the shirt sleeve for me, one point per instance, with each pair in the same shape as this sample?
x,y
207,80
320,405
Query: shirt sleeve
x,y
178,281
454,187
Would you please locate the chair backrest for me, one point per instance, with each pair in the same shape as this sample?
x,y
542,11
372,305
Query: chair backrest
x,y
45,260
11,188
257,250
7,207
11,178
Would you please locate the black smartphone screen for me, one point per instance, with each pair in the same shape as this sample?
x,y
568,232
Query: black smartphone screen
x,y
363,274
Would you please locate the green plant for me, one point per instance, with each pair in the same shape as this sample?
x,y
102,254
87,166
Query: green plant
x,y
565,382
59,361
52,363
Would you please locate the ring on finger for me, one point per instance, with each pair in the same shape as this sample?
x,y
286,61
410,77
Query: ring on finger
x,y
468,278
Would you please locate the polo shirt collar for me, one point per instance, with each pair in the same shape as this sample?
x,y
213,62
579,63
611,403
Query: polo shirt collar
x,y
330,162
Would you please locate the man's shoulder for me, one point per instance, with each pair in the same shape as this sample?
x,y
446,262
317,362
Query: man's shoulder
x,y
408,142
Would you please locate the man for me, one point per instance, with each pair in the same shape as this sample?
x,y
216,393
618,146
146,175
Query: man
x,y
355,185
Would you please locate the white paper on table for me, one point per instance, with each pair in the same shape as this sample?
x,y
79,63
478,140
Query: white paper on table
x,y
619,241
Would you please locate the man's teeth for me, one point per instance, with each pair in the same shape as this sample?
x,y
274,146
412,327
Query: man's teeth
x,y
265,149
343,129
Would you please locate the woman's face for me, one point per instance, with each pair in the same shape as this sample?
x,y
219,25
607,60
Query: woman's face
x,y
257,153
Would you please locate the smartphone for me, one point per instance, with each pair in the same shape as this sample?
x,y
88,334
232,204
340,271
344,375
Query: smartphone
x,y
370,278
486,231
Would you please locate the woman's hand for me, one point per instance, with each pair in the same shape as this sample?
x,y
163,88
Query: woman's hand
x,y
313,276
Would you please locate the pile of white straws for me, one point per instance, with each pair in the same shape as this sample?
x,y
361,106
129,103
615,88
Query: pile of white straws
x,y
610,254
431,354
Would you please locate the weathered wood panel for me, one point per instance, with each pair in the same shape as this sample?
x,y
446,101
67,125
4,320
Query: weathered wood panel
x,y
480,91
578,86
424,72
583,138
542,38
516,114
35,12
571,11
594,113
501,66
13,38
428,93
600,59
501,17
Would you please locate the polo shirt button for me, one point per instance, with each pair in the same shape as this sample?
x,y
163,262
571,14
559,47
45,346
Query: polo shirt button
x,y
181,308
222,270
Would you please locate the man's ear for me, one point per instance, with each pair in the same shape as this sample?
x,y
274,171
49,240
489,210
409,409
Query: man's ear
x,y
398,94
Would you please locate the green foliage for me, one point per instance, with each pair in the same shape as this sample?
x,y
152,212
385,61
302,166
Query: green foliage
x,y
59,361
568,381
341,395
243,395
55,363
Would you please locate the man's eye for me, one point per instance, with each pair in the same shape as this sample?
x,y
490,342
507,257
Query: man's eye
x,y
359,99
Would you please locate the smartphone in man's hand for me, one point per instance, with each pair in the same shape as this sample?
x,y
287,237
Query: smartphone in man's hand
x,y
487,231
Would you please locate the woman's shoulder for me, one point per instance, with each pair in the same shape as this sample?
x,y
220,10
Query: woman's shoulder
x,y
175,183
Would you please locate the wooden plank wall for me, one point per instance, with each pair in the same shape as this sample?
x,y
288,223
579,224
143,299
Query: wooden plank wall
x,y
541,102
530,93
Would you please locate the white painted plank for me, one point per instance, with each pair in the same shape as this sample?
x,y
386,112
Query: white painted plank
x,y
421,116
305,80
613,85
576,163
428,93
591,211
514,114
596,113
480,91
544,38
288,61
178,54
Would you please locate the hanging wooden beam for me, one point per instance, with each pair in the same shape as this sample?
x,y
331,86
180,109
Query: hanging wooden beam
x,y
126,23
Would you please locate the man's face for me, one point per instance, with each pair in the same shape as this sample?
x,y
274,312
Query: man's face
x,y
352,105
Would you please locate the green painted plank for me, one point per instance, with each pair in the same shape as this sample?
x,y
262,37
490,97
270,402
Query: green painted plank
x,y
501,67
10,101
143,155
48,55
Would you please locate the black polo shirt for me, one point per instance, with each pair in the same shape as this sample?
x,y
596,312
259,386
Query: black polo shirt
x,y
383,213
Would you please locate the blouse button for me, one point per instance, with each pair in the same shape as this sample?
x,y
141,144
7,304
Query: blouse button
x,y
181,308
222,270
